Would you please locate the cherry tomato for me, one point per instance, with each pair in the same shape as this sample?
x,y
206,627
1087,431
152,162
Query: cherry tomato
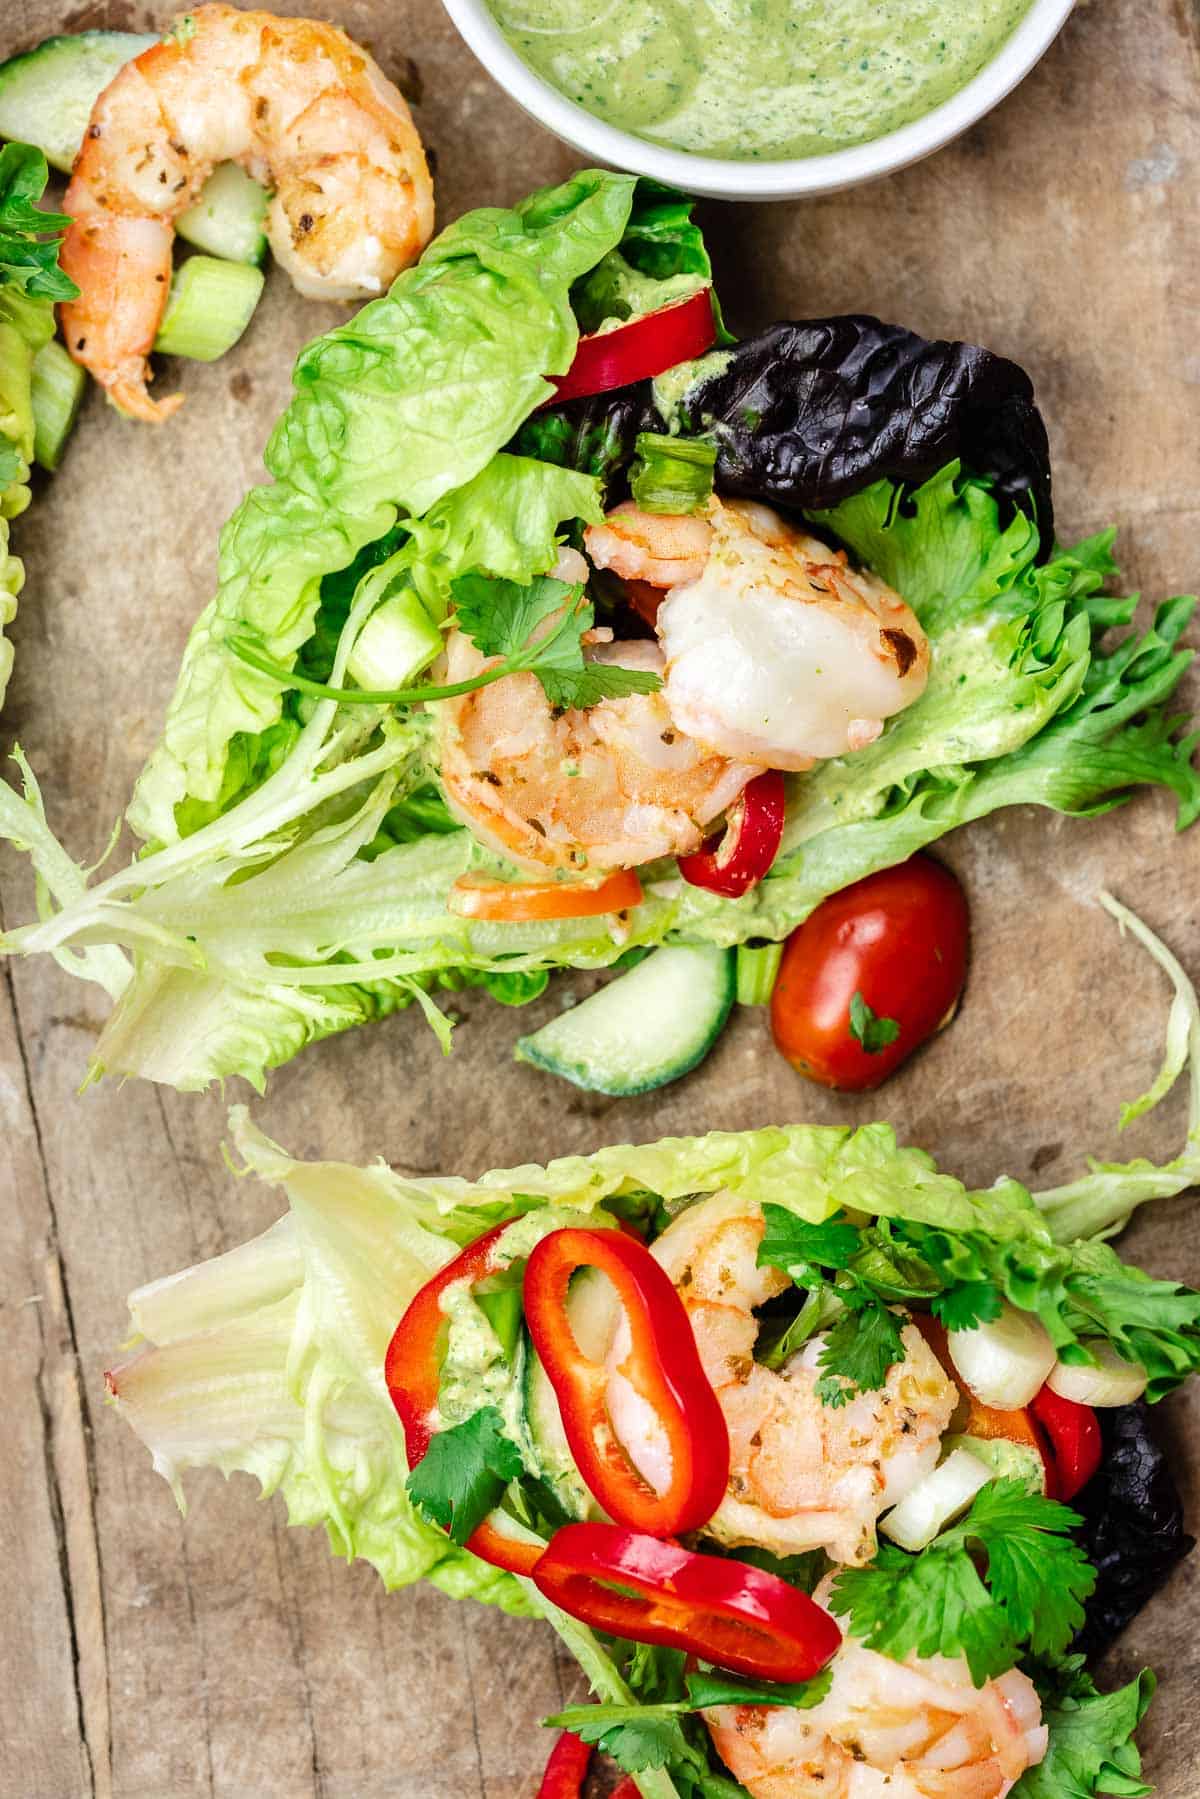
x,y
888,952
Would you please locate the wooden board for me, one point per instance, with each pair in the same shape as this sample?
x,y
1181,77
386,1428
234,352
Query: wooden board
x,y
154,1657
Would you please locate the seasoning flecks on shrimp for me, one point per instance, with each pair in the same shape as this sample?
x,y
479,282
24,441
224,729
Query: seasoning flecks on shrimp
x,y
299,106
803,1475
778,652
916,1729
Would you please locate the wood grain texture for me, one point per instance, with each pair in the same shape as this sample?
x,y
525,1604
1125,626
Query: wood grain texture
x,y
157,1657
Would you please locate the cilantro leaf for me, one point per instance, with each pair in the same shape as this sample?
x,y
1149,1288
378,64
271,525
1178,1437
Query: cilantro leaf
x,y
939,1603
872,1032
636,1736
29,238
539,628
464,1472
1035,1571
860,1346
962,1307
791,1244
500,617
1091,1749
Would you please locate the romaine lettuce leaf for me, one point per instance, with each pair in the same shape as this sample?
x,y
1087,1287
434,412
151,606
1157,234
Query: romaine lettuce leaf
x,y
391,411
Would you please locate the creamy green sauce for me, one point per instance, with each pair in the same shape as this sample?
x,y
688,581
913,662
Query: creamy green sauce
x,y
758,79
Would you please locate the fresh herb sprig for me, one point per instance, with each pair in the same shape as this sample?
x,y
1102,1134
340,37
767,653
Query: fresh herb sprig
x,y
536,629
873,1033
1080,1291
29,237
463,1473
1007,1576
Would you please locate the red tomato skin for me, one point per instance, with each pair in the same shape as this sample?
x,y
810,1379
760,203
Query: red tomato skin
x,y
900,939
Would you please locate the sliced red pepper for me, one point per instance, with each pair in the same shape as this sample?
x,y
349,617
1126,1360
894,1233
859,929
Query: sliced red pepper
x,y
566,1769
663,1366
412,1374
723,1611
644,347
626,1789
1075,1440
739,858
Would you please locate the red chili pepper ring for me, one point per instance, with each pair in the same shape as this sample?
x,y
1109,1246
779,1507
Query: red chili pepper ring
x,y
737,860
663,1367
721,1610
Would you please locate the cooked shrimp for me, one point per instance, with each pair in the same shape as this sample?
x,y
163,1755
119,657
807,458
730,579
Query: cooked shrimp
x,y
778,652
915,1729
613,787
298,105
803,1475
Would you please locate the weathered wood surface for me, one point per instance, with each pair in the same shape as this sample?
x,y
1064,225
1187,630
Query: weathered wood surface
x,y
152,1657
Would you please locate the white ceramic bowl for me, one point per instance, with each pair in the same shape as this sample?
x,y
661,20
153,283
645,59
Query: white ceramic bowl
x,y
726,179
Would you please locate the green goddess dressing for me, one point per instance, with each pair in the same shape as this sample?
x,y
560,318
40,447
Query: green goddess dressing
x,y
758,79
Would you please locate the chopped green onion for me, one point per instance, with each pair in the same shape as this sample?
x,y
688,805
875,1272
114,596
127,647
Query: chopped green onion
x,y
56,392
672,474
210,306
757,968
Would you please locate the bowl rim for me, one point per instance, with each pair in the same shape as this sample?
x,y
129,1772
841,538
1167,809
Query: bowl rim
x,y
786,178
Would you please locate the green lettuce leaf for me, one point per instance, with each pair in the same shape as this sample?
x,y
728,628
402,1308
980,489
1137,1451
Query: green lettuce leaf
x,y
30,282
1028,701
661,258
1091,1751
270,1358
409,400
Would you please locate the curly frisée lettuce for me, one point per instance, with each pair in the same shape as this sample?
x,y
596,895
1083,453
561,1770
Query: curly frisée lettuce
x,y
300,858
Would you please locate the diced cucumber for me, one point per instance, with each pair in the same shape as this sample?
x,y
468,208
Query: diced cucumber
x,y
644,1029
396,643
47,94
57,391
46,99
227,220
211,304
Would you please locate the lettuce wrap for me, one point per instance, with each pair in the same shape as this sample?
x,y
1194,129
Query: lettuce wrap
x,y
269,1360
298,850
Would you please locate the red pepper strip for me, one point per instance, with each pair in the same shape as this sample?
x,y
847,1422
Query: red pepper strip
x,y
411,1372
626,1789
566,1769
645,346
737,860
663,1367
1075,1440
724,1611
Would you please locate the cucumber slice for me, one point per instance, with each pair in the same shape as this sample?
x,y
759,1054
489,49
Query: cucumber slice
x,y
46,99
56,393
47,95
649,1027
